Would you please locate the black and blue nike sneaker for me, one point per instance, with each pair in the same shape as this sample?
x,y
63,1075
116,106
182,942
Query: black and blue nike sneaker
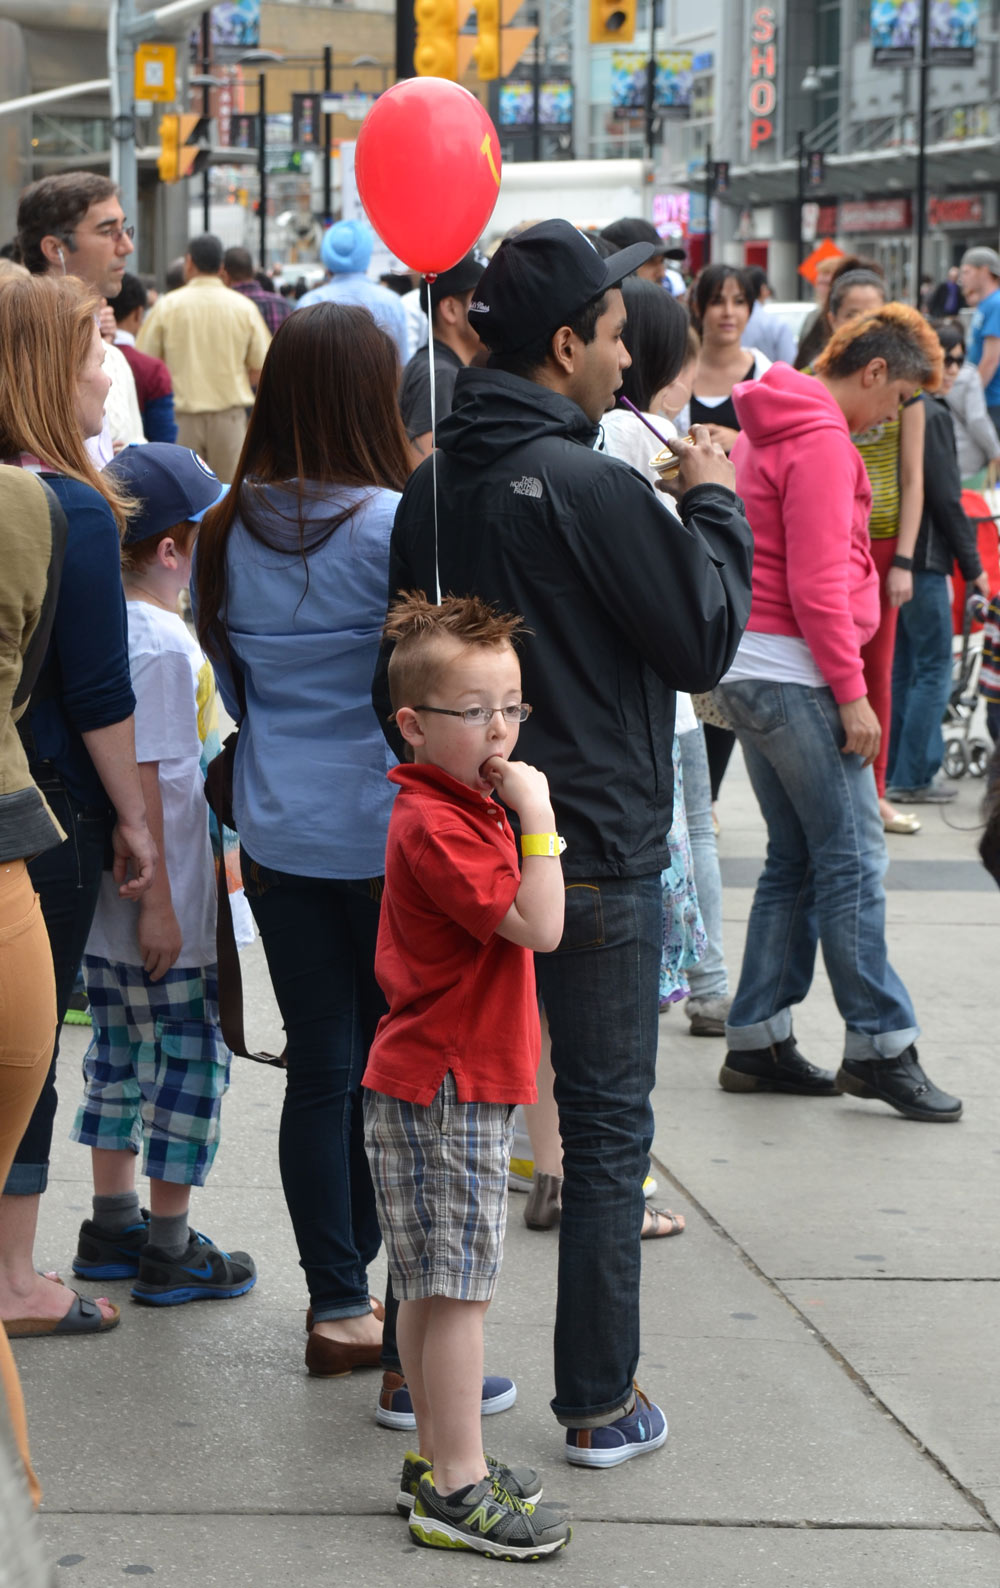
x,y
203,1273
106,1254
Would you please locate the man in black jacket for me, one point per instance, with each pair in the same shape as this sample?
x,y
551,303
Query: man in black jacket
x,y
921,664
624,604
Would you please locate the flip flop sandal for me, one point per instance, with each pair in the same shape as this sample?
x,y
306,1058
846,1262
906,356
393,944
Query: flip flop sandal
x,y
659,1216
83,1317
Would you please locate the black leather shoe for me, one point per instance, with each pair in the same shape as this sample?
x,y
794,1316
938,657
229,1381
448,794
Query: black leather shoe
x,y
780,1067
902,1084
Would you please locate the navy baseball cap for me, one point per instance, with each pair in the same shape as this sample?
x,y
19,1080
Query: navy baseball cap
x,y
168,484
538,280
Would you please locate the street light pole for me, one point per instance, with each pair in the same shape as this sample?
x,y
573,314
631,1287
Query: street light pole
x,y
709,185
924,68
651,81
327,137
800,198
206,107
262,164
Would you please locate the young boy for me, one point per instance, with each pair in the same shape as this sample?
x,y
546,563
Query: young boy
x,y
458,1048
157,1068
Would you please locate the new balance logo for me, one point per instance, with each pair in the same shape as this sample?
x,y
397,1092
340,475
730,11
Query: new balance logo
x,y
526,486
484,1518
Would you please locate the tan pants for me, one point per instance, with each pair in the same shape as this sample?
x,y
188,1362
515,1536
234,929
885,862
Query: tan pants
x,y
218,438
27,1033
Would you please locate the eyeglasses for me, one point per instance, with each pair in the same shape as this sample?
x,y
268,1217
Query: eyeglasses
x,y
482,716
113,233
958,359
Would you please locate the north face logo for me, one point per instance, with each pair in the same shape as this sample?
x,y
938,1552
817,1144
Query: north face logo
x,y
526,486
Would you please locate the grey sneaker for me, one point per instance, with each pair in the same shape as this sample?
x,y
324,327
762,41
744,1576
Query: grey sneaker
x,y
936,792
708,1016
488,1520
520,1482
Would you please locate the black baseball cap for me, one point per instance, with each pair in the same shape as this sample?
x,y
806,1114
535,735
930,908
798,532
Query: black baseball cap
x,y
540,279
168,484
633,229
452,283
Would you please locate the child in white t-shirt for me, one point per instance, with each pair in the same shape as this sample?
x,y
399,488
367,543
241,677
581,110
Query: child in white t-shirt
x,y
157,1068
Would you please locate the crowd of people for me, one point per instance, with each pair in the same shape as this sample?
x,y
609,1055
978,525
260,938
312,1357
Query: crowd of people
x,y
417,533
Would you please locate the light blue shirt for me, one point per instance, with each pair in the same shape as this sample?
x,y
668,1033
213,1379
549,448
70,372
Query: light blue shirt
x,y
310,793
385,307
986,322
771,335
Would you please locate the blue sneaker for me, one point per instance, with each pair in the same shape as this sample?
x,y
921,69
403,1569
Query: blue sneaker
x,y
395,1408
203,1273
645,1428
101,1254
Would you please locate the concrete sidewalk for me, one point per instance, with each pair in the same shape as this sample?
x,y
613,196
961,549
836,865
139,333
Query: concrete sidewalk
x,y
823,1338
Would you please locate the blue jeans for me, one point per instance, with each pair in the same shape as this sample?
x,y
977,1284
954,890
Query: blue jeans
x,y
319,939
921,683
707,979
822,878
67,880
601,991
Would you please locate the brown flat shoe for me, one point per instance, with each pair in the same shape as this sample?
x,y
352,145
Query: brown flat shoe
x,y
336,1358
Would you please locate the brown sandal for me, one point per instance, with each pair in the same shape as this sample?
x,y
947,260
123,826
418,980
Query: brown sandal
x,y
653,1232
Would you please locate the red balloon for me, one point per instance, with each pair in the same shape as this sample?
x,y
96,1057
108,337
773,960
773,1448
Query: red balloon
x,y
427,167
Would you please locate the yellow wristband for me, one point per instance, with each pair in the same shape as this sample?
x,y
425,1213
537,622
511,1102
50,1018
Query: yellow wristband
x,y
542,844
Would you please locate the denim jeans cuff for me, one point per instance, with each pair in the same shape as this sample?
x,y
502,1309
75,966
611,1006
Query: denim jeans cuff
x,y
598,1419
761,1034
26,1180
348,1309
859,1045
708,986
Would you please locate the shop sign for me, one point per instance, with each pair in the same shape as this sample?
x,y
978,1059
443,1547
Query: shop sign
x,y
826,220
875,215
763,98
962,210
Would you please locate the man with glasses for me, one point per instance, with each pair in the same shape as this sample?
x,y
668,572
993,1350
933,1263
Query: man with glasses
x,y
73,225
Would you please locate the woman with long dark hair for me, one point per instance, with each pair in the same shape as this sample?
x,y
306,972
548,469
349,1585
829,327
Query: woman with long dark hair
x,y
657,337
290,589
720,302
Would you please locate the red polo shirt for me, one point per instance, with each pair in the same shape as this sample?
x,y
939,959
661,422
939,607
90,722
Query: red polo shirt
x,y
460,997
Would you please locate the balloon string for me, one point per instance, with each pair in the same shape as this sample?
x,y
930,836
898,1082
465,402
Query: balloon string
x,y
434,474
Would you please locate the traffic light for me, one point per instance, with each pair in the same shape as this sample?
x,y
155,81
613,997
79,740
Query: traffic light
x,y
185,146
168,159
487,50
436,53
612,21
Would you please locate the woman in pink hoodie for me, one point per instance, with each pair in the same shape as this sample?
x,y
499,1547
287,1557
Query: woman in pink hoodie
x,y
796,696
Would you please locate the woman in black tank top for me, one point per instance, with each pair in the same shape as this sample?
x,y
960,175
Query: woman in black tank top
x,y
723,297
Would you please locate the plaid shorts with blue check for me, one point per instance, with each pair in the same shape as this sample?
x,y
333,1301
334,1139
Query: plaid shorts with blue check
x,y
440,1176
156,1070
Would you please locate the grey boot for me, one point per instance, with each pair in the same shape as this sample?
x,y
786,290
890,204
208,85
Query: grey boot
x,y
544,1203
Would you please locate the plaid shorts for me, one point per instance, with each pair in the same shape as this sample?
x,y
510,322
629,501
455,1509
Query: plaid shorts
x,y
157,1069
440,1176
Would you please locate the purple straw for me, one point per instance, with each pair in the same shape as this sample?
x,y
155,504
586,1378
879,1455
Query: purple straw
x,y
631,406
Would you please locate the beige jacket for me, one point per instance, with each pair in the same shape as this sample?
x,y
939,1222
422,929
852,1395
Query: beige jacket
x,y
32,541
